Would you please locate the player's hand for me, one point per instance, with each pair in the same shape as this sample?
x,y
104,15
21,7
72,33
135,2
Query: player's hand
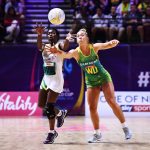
x,y
114,43
39,28
69,37
52,49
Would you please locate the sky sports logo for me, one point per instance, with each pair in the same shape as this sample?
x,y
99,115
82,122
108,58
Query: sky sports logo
x,y
135,108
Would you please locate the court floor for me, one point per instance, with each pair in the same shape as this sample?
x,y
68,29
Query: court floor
x,y
28,133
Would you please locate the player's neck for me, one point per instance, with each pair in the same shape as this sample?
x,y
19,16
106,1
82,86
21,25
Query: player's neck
x,y
84,47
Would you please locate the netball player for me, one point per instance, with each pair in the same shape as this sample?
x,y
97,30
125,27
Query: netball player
x,y
52,82
97,79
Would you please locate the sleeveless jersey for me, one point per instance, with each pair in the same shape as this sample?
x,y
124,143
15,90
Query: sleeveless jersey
x,y
53,76
95,74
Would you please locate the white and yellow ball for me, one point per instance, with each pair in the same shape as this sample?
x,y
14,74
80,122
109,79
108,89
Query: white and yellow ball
x,y
56,16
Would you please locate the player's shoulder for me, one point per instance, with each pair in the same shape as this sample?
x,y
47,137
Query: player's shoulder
x,y
74,51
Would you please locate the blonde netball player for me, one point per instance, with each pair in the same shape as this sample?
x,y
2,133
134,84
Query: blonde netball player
x,y
97,79
52,83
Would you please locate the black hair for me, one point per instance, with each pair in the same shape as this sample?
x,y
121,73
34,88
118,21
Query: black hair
x,y
57,33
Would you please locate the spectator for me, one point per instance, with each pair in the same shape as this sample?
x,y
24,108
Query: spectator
x,y
146,17
91,7
80,4
124,7
143,4
100,25
86,4
115,24
134,22
82,19
2,29
12,25
134,2
17,4
105,5
146,24
115,2
21,7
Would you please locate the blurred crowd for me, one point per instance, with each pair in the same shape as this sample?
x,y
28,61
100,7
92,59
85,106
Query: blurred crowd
x,y
11,21
125,20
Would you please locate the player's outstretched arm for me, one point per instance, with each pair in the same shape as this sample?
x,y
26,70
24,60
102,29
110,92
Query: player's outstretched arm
x,y
70,54
65,44
39,29
106,45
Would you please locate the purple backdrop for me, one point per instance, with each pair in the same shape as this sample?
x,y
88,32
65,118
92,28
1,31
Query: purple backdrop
x,y
21,70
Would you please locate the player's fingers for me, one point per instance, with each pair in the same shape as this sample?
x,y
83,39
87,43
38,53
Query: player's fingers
x,y
47,46
114,41
37,24
41,24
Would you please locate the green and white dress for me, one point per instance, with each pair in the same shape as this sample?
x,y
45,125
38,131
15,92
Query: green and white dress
x,y
53,76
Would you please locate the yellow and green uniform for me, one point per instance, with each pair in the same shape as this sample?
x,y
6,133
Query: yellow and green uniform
x,y
95,74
